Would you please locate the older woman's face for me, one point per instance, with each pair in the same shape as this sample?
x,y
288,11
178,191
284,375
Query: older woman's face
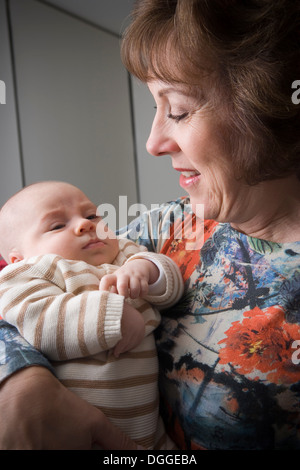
x,y
184,129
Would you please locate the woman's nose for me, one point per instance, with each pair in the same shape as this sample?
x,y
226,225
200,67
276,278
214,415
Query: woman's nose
x,y
161,141
84,225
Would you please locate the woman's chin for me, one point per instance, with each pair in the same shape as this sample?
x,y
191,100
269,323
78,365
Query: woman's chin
x,y
200,208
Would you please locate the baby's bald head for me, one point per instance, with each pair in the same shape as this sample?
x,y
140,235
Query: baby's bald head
x,y
58,218
15,214
12,220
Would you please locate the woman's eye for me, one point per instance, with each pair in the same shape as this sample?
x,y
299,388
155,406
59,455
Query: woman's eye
x,y
177,117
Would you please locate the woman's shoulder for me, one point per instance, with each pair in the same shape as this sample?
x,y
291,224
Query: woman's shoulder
x,y
181,203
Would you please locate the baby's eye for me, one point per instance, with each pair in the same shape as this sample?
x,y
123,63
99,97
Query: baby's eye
x,y
92,216
57,227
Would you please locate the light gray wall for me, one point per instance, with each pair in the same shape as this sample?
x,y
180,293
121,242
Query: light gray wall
x,y
10,163
78,118
111,15
74,104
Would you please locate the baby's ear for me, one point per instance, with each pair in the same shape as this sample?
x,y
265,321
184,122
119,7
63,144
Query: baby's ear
x,y
14,257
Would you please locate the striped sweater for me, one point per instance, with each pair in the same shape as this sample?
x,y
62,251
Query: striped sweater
x,y
57,307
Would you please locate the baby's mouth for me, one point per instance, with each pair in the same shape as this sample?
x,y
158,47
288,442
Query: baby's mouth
x,y
92,243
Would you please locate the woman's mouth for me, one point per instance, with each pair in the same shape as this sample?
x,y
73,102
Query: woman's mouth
x,y
188,177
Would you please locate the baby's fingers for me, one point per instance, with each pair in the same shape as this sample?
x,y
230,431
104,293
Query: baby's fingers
x,y
138,287
108,282
122,284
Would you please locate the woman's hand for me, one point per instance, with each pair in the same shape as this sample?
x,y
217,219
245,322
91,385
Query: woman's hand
x,y
41,414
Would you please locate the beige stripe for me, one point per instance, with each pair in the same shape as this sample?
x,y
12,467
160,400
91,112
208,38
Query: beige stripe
x,y
84,360
101,319
146,441
80,333
60,340
38,334
87,287
70,274
25,295
50,273
132,412
111,384
144,307
153,323
94,361
19,270
21,315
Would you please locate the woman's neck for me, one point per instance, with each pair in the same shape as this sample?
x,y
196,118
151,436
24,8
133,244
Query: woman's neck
x,y
273,212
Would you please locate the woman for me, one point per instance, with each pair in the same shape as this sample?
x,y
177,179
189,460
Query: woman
x,y
221,73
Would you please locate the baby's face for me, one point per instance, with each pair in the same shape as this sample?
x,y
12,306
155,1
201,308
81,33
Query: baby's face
x,y
60,219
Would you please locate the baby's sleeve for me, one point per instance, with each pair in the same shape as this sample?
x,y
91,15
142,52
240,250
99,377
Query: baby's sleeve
x,y
61,324
168,288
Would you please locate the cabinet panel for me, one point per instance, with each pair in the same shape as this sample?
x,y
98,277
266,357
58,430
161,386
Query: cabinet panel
x,y
10,170
74,103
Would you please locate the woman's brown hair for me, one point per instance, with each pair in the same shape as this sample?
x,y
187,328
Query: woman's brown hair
x,y
246,55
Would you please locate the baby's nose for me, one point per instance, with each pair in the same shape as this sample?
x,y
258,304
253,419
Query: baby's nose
x,y
84,225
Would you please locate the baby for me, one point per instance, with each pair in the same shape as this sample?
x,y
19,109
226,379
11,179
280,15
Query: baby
x,y
80,296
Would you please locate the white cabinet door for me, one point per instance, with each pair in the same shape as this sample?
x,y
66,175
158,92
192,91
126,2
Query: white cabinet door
x,y
74,103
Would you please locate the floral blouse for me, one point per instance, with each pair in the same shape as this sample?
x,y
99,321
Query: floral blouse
x,y
229,351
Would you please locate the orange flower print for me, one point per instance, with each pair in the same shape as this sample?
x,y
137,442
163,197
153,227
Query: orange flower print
x,y
261,344
176,246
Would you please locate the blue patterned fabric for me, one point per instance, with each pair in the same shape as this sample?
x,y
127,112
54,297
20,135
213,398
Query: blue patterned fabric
x,y
230,350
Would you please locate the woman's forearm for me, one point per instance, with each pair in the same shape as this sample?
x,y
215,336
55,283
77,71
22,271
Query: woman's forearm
x,y
16,354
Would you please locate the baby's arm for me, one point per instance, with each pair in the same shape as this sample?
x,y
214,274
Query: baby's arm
x,y
169,287
63,324
159,281
152,276
132,328
131,280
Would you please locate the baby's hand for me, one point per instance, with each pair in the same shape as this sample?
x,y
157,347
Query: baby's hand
x,y
132,328
132,279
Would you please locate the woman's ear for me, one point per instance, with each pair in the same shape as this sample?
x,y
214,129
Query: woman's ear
x,y
14,257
